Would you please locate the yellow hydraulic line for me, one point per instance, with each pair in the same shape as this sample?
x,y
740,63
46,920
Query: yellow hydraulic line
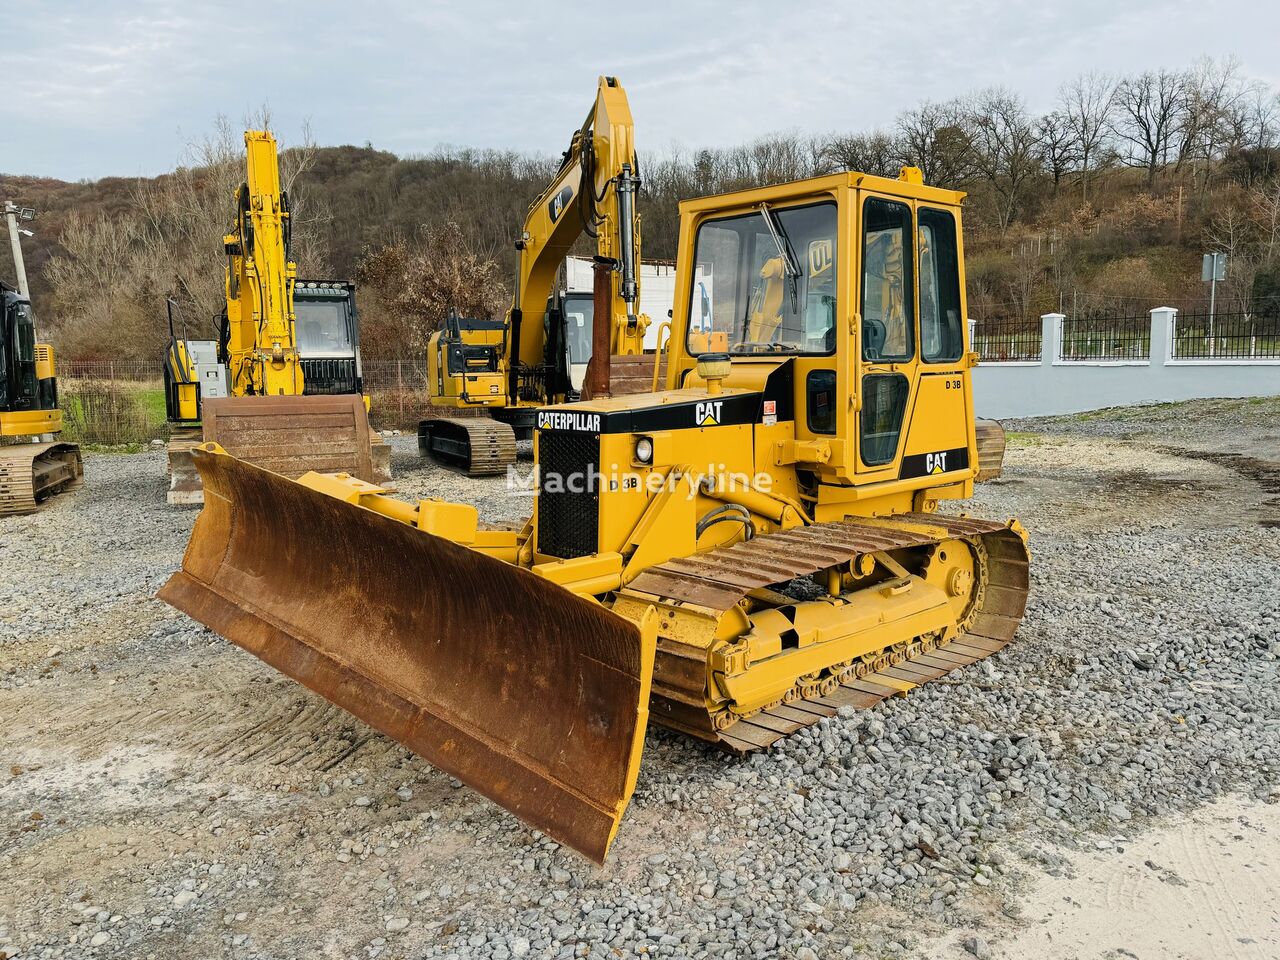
x,y
657,357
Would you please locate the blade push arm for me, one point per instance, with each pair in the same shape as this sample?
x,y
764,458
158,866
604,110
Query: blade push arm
x,y
262,349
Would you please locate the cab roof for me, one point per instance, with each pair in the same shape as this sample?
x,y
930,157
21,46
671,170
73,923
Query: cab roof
x,y
907,186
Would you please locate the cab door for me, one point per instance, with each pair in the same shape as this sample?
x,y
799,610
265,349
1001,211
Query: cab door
x,y
939,431
886,366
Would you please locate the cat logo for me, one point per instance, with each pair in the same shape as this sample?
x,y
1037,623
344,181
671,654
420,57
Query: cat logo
x,y
559,202
708,414
935,462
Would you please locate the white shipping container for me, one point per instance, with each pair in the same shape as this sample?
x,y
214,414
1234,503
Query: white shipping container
x,y
657,291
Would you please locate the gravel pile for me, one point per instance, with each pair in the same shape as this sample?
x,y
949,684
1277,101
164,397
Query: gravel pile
x,y
192,802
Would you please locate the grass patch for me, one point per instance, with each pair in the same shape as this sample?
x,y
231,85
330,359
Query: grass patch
x,y
1015,439
112,413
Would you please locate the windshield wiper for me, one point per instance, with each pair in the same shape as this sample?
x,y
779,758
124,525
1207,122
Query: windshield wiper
x,y
783,243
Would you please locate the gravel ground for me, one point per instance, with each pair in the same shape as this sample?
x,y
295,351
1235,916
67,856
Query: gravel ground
x,y
165,794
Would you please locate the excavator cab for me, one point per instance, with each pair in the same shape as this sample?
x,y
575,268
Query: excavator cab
x,y
736,556
33,466
328,329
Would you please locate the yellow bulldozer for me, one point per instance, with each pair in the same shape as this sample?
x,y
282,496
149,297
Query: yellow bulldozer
x,y
33,464
736,556
254,390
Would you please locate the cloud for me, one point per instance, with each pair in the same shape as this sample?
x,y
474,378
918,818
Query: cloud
x,y
114,87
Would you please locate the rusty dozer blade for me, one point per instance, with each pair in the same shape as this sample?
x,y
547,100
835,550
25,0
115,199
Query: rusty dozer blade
x,y
533,696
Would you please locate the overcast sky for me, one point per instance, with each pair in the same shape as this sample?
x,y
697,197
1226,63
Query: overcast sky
x,y
119,87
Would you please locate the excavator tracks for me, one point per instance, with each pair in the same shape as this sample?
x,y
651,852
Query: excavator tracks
x,y
32,472
477,445
715,582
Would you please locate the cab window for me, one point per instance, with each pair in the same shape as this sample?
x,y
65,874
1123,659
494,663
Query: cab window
x,y
888,310
884,402
941,330
767,281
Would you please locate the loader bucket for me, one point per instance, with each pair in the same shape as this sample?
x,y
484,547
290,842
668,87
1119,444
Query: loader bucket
x,y
534,697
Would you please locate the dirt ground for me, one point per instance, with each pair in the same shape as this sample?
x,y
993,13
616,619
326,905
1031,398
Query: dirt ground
x,y
204,806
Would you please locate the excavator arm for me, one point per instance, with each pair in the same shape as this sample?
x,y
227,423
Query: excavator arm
x,y
524,365
593,193
261,347
250,396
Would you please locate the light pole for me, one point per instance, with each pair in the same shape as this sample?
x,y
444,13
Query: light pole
x,y
13,213
1212,269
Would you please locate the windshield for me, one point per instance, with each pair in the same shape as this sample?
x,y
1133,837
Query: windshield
x,y
578,316
762,303
322,328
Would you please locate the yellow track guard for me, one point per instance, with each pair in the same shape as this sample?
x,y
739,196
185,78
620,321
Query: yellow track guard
x,y
533,696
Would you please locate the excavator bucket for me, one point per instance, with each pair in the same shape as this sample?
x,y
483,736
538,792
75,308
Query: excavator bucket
x,y
291,435
287,435
991,444
529,694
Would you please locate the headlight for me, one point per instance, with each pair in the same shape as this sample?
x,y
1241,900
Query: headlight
x,y
644,450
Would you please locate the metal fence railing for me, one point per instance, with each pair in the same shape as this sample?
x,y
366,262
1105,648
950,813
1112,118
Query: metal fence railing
x,y
120,403
1112,338
1226,336
1006,340
112,402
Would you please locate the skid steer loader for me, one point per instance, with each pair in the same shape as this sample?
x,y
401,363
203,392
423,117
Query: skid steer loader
x,y
737,556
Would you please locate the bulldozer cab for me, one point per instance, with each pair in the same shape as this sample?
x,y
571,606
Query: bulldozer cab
x,y
856,284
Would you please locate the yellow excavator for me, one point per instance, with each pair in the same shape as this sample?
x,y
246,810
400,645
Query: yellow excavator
x,y
511,368
254,391
33,465
737,556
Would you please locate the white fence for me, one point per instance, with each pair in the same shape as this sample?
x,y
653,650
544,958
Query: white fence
x,y
1054,384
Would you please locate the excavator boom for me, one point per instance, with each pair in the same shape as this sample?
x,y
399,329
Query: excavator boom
x,y
248,391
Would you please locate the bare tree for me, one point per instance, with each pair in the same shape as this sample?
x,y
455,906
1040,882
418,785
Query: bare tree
x,y
1232,232
1148,117
935,138
415,288
1086,105
875,153
1059,148
1265,201
1005,151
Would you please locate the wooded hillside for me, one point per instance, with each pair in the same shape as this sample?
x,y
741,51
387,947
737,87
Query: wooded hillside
x,y
1104,202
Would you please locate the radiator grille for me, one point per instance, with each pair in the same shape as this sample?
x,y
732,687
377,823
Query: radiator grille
x,y
568,498
330,376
